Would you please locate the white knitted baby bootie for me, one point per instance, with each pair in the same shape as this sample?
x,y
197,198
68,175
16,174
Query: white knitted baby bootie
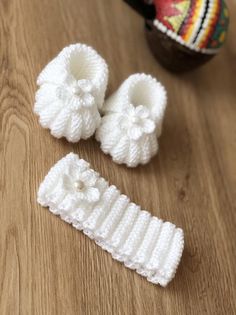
x,y
72,89
133,120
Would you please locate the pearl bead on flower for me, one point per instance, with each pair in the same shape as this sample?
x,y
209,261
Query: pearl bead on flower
x,y
79,185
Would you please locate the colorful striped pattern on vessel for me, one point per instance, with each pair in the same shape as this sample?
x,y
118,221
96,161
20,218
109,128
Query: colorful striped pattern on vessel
x,y
200,25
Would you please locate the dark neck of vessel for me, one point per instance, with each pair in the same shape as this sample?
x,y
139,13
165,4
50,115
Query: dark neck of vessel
x,y
145,8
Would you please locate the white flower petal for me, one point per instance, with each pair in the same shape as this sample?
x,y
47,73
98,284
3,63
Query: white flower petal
x,y
135,132
92,194
88,100
85,85
89,178
148,126
74,173
81,165
142,111
80,195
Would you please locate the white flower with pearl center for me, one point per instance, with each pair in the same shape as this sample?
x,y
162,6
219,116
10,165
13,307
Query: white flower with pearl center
x,y
77,93
137,122
81,185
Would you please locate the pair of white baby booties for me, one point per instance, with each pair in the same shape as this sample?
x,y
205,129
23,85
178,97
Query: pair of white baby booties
x,y
70,102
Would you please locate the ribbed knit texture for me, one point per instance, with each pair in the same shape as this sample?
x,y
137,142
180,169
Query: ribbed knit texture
x,y
132,120
133,236
71,92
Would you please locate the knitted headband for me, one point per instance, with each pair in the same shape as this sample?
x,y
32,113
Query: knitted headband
x,y
133,236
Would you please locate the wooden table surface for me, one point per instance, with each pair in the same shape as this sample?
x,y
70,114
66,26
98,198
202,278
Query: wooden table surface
x,y
46,266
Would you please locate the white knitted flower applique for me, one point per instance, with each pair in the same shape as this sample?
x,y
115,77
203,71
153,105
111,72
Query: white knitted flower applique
x,y
71,92
132,120
80,186
136,122
75,190
76,94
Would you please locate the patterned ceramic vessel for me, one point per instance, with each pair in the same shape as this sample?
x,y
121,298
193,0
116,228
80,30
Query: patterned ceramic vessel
x,y
184,34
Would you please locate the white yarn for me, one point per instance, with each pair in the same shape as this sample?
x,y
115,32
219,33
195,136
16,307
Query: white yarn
x,y
133,120
72,89
81,197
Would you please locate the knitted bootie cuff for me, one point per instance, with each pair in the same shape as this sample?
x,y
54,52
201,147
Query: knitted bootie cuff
x,y
133,236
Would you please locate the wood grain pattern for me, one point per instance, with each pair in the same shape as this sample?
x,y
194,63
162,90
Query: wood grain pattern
x,y
46,266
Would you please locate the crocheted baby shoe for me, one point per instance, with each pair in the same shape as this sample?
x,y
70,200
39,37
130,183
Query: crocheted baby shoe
x,y
72,89
80,196
133,120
